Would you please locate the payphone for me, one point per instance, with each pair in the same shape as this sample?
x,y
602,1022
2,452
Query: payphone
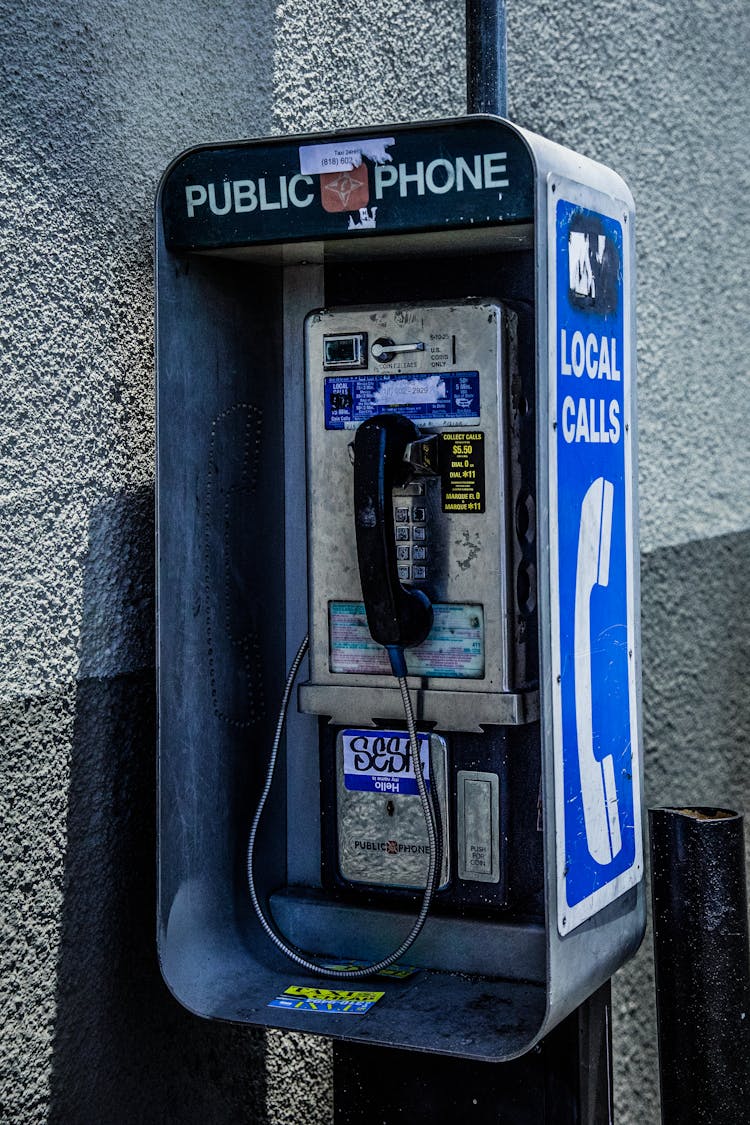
x,y
396,420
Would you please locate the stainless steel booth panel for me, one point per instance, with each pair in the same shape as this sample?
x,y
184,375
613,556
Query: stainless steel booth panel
x,y
223,487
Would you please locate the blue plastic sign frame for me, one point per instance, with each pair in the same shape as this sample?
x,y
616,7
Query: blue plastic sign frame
x,y
599,842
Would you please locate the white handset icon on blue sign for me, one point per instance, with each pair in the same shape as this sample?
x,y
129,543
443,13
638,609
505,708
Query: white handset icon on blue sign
x,y
598,787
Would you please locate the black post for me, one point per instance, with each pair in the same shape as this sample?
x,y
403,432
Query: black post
x,y
566,1080
702,965
486,57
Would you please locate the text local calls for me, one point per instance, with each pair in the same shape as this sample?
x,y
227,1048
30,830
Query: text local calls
x,y
590,419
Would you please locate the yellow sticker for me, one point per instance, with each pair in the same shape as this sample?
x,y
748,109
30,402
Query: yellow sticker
x,y
332,994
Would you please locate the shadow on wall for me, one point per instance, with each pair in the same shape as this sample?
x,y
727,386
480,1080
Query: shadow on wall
x,y
124,1050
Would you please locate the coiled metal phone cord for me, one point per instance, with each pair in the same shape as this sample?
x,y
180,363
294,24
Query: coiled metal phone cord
x,y
433,836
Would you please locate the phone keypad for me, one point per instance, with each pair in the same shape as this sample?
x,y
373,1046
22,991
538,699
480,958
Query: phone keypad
x,y
411,539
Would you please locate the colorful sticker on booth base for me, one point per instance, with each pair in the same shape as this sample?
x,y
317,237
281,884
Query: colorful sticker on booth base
x,y
337,1001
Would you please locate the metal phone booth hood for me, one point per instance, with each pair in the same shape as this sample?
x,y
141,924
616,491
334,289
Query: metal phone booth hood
x,y
256,243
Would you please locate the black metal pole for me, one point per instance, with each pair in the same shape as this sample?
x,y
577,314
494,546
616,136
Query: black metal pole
x,y
486,57
702,965
566,1080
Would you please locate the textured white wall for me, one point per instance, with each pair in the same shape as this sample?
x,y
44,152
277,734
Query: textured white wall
x,y
96,98
659,91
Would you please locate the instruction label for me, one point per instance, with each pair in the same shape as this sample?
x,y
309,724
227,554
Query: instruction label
x,y
378,761
461,459
338,1001
454,648
450,398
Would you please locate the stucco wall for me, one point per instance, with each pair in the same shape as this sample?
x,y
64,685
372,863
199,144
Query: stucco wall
x,y
96,98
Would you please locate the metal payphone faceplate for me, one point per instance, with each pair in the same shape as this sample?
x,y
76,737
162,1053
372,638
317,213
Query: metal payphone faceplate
x,y
451,531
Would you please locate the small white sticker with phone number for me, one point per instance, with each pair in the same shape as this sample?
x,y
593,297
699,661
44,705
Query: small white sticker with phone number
x,y
343,155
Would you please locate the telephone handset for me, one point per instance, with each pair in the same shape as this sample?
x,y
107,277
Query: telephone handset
x,y
598,785
397,617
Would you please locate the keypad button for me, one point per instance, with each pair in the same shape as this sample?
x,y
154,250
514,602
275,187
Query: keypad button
x,y
402,515
402,533
404,573
419,553
402,552
419,571
419,534
418,515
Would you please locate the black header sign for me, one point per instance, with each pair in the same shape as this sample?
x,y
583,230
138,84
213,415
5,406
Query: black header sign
x,y
466,172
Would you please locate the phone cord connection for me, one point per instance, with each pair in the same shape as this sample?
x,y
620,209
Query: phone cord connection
x,y
433,835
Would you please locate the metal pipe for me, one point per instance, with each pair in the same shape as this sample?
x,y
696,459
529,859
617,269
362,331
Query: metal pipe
x,y
566,1080
702,964
486,57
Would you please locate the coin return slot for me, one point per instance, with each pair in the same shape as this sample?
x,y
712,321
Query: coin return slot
x,y
478,826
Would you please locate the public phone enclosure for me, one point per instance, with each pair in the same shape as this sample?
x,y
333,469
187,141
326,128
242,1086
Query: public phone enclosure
x,y
475,282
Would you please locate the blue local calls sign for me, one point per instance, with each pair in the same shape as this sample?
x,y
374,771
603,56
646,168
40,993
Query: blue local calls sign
x,y
592,581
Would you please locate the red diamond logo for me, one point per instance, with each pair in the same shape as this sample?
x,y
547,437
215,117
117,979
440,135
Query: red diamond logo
x,y
345,191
